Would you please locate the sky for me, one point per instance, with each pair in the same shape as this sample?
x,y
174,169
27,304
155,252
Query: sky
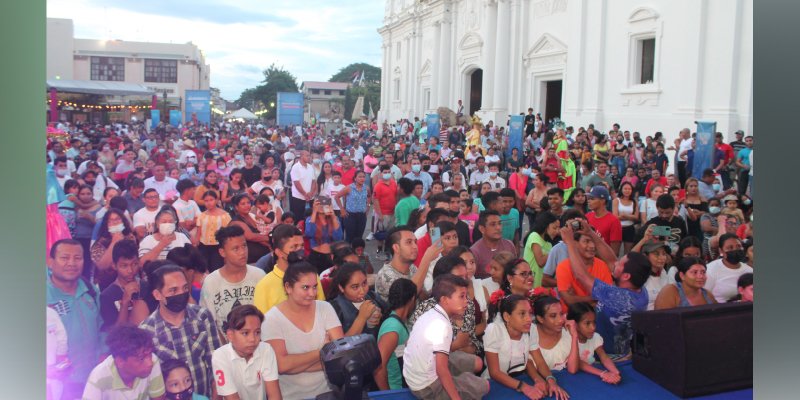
x,y
312,39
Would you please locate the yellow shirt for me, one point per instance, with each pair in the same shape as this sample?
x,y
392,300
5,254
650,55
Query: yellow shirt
x,y
270,291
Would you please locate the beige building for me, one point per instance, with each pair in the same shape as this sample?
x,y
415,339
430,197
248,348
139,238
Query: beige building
x,y
162,67
325,98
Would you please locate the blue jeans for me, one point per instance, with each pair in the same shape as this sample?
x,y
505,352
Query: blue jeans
x,y
620,163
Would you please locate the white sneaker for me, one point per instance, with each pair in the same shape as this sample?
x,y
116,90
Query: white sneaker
x,y
370,236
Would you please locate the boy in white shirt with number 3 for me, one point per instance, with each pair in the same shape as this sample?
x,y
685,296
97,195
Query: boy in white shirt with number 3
x,y
245,368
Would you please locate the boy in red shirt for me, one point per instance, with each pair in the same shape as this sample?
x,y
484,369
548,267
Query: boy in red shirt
x,y
606,224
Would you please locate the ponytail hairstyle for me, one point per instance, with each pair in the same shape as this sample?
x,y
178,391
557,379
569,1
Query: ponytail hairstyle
x,y
540,306
500,303
576,311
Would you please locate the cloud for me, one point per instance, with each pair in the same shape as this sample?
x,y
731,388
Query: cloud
x,y
312,39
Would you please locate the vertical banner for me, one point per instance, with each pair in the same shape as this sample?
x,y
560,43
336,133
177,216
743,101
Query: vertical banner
x,y
515,135
290,109
155,117
53,105
432,121
175,117
198,105
704,147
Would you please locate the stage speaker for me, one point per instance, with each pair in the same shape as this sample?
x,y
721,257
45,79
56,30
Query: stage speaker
x,y
694,351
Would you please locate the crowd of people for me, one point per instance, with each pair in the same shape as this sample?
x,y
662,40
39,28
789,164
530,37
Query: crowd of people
x,y
210,262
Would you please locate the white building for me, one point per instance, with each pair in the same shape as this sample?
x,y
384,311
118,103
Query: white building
x,y
162,67
651,66
324,98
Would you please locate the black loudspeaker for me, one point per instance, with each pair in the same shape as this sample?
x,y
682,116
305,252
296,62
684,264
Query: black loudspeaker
x,y
694,351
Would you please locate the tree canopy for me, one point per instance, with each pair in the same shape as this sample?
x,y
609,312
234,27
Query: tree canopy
x,y
276,79
372,74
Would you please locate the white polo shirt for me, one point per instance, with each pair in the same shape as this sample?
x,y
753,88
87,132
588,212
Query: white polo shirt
x,y
304,175
432,333
105,383
234,374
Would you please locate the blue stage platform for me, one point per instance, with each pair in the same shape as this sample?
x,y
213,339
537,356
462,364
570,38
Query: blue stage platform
x,y
585,386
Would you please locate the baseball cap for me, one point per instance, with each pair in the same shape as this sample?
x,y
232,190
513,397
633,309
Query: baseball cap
x,y
739,132
288,156
599,191
650,247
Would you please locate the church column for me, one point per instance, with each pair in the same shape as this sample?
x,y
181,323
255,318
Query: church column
x,y
502,63
385,81
445,73
407,106
490,44
436,76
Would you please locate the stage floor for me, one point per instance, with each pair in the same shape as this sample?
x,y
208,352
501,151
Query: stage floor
x,y
585,386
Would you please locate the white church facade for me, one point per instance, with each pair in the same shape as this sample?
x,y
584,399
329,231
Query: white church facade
x,y
650,66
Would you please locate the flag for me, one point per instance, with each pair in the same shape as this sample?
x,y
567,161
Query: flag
x,y
704,147
361,80
371,113
354,77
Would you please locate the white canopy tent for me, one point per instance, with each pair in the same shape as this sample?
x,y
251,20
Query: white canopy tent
x,y
241,113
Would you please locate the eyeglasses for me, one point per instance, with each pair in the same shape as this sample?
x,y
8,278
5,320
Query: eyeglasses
x,y
525,274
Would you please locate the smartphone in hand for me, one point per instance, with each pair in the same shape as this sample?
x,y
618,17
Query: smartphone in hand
x,y
435,234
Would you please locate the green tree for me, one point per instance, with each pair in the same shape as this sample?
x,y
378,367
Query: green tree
x,y
370,89
371,73
265,95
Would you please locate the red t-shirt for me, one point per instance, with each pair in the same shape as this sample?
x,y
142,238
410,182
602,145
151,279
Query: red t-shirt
x,y
422,246
552,176
608,226
348,177
661,181
386,195
728,150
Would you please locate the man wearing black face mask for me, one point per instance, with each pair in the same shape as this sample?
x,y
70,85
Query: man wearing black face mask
x,y
722,274
287,242
181,330
256,187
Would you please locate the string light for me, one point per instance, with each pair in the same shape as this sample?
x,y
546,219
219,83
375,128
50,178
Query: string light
x,y
63,103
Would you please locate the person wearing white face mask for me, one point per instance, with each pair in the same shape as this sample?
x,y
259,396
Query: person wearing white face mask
x,y
157,245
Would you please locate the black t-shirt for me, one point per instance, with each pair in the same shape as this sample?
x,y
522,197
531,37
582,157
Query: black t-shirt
x,y
529,123
251,175
677,223
110,305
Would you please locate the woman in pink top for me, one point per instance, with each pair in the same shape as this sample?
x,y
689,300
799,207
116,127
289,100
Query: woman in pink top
x,y
370,162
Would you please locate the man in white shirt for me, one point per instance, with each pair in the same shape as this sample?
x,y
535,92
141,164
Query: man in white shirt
x,y
683,149
161,182
479,175
144,220
304,185
495,181
188,154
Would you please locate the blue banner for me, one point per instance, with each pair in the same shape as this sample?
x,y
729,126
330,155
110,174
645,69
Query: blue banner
x,y
175,117
432,123
155,118
704,147
515,135
290,109
198,105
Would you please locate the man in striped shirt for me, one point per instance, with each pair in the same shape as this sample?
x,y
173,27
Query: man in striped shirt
x,y
180,330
